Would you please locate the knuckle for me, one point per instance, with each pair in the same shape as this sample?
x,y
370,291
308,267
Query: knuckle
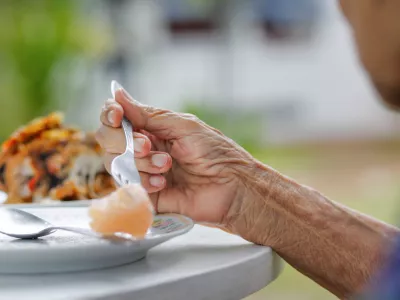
x,y
156,112
106,105
150,110
110,101
189,116
191,119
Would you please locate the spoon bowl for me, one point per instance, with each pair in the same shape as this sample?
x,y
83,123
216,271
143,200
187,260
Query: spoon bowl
x,y
24,225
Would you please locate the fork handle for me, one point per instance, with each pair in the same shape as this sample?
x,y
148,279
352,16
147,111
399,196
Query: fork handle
x,y
130,147
128,130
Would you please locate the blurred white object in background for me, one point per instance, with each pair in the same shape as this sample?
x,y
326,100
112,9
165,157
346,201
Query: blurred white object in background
x,y
318,79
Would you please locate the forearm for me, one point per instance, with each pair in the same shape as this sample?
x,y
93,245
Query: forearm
x,y
335,246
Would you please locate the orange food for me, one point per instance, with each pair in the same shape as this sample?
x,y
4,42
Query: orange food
x,y
26,134
47,159
127,210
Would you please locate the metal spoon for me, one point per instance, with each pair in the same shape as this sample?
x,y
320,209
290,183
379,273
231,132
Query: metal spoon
x,y
23,225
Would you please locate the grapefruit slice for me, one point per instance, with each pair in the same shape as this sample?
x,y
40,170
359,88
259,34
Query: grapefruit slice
x,y
127,210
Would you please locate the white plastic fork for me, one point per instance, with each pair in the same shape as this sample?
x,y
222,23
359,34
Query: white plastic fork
x,y
123,167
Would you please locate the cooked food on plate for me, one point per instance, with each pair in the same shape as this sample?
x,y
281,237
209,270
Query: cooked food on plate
x,y
48,160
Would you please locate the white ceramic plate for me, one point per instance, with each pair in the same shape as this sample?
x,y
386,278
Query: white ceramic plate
x,y
3,197
69,252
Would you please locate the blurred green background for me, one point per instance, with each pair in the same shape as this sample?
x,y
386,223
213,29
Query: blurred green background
x,y
62,54
42,46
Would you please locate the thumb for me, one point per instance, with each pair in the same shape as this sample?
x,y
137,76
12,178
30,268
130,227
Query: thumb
x,y
162,123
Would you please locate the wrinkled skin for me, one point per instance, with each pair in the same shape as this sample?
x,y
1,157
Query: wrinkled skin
x,y
207,176
205,172
214,181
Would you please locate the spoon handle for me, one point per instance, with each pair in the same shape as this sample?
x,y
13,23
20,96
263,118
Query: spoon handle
x,y
82,231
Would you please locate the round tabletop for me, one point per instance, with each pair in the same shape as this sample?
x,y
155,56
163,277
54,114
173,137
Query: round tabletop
x,y
202,264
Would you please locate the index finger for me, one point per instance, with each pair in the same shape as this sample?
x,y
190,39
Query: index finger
x,y
162,123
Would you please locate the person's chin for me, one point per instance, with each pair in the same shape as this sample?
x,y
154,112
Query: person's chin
x,y
390,95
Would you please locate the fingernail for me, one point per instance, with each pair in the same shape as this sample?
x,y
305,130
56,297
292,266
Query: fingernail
x,y
127,95
111,117
159,160
139,143
156,181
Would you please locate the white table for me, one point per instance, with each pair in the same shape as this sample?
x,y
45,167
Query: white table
x,y
203,264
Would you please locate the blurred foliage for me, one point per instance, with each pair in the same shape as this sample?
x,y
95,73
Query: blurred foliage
x,y
244,127
42,44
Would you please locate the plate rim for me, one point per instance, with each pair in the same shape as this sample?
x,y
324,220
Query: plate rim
x,y
188,222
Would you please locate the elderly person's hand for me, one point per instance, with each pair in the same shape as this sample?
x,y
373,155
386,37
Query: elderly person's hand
x,y
211,179
187,166
193,169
